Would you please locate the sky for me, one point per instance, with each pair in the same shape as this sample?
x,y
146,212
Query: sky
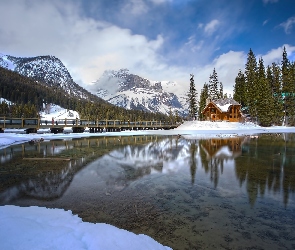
x,y
157,39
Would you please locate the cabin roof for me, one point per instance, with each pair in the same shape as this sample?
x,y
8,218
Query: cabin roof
x,y
223,104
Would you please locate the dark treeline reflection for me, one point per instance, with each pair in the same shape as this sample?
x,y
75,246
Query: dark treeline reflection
x,y
268,162
264,162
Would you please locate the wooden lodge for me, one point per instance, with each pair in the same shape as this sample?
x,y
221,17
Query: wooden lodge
x,y
225,109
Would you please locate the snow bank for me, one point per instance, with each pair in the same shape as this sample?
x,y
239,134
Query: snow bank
x,y
43,228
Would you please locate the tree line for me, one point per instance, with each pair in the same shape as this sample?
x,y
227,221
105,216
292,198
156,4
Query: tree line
x,y
266,95
27,97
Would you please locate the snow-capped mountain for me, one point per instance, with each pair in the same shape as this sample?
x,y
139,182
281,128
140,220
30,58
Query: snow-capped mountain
x,y
120,88
48,69
131,91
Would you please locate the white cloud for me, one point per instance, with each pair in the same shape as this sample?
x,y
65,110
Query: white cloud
x,y
211,27
85,45
288,25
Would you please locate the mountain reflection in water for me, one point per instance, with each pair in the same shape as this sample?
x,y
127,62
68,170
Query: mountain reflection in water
x,y
263,163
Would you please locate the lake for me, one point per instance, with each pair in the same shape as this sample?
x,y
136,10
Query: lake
x,y
221,193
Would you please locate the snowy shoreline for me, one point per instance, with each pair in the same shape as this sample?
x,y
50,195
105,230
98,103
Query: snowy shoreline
x,y
193,129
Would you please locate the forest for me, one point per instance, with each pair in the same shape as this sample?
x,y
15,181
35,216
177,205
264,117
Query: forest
x,y
266,94
28,95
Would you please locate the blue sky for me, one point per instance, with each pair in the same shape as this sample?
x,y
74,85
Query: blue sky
x,y
156,39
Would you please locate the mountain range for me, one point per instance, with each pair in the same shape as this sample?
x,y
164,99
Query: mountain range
x,y
120,88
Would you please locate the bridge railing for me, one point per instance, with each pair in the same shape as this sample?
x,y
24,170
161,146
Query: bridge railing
x,y
8,122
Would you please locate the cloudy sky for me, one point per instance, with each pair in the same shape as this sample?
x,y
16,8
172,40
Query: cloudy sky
x,y
156,39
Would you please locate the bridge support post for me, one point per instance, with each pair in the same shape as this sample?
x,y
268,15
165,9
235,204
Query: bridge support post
x,y
31,130
57,130
78,129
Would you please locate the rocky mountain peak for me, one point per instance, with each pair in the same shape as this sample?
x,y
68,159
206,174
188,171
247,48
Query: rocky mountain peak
x,y
47,69
131,91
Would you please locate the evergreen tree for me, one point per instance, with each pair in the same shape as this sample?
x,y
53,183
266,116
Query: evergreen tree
x,y
221,90
264,103
292,87
273,79
213,85
240,89
203,97
251,83
192,98
287,90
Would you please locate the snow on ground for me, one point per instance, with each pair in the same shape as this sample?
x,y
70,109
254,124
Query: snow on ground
x,y
31,228
208,129
56,112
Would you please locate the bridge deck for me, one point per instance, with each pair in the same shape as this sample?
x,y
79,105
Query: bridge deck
x,y
79,125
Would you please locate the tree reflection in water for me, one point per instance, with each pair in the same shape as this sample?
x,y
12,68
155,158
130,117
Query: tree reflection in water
x,y
264,162
268,163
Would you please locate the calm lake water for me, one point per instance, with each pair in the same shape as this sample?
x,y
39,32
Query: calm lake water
x,y
227,193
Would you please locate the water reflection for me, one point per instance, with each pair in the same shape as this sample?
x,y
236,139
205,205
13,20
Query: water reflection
x,y
45,171
264,163
268,163
215,152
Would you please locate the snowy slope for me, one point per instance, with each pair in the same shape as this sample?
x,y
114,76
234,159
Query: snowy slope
x,y
57,112
6,63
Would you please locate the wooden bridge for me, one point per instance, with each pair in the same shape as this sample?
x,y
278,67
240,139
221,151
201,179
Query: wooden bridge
x,y
32,125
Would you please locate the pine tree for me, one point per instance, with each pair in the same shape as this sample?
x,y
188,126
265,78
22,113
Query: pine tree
x,y
192,98
221,90
264,103
292,87
240,89
203,97
287,89
251,83
213,85
273,79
